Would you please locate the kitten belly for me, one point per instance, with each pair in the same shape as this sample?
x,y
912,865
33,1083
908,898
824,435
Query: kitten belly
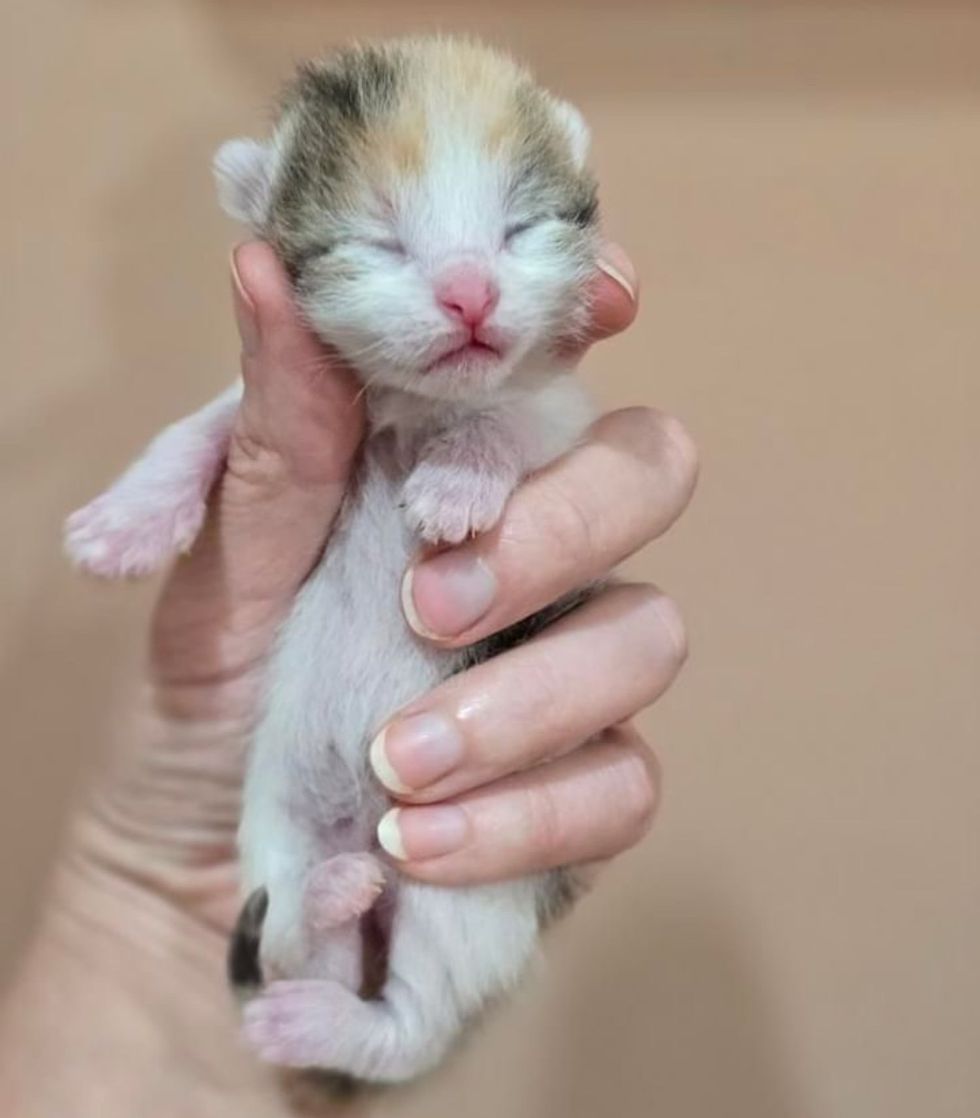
x,y
346,661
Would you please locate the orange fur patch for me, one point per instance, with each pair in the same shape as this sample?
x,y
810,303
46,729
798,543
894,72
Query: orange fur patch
x,y
463,85
402,146
502,134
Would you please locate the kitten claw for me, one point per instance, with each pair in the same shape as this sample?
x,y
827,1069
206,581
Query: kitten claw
x,y
446,505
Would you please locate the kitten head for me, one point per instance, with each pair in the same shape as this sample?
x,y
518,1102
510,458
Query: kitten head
x,y
432,205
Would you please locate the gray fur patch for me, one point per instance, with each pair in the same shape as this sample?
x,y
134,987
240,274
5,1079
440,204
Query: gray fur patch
x,y
332,104
326,109
559,891
522,631
546,175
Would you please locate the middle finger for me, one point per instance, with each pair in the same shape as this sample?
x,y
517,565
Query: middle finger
x,y
594,668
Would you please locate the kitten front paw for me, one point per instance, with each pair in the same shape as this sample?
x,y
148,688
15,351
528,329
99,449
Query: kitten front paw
x,y
113,537
446,504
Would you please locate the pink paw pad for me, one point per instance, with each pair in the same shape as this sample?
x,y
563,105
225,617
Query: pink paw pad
x,y
342,889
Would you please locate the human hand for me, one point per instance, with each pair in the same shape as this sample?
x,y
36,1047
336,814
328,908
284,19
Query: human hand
x,y
160,829
525,762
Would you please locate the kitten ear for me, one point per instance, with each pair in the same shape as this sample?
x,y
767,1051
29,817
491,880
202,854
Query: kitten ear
x,y
243,170
576,130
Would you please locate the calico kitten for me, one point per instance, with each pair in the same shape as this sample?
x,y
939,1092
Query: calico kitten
x,y
432,206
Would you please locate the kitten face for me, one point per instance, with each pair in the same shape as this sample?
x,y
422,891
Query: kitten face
x,y
431,204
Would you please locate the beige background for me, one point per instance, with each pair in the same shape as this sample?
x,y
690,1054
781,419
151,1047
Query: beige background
x,y
800,186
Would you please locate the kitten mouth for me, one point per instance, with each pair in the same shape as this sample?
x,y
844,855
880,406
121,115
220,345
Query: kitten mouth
x,y
473,352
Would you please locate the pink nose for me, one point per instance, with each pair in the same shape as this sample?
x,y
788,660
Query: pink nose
x,y
467,292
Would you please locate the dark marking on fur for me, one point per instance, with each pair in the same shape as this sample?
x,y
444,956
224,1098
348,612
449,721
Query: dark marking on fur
x,y
243,965
584,210
521,632
376,925
356,84
556,895
545,168
330,104
331,108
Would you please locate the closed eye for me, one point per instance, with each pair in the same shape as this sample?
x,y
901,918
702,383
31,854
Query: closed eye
x,y
392,245
315,252
512,232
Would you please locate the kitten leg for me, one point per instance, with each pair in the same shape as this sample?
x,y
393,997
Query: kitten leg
x,y
452,950
465,474
462,480
312,930
306,857
339,892
341,889
155,510
311,919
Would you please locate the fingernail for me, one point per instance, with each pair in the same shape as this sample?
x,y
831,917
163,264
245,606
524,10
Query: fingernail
x,y
444,596
417,833
618,267
413,752
245,316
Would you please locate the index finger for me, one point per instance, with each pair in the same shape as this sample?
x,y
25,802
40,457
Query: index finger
x,y
567,525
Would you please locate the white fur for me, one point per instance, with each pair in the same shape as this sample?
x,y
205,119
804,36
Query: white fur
x,y
346,662
383,318
388,325
157,507
576,130
445,450
244,171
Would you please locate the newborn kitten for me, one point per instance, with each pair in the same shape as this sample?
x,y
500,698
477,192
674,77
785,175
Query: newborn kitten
x,y
433,209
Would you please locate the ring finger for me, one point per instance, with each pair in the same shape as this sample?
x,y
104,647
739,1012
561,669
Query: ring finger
x,y
553,815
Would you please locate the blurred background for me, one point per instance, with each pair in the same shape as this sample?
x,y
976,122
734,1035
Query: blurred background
x,y
799,185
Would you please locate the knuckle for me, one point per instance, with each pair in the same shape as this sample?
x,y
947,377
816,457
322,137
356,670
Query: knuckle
x,y
573,530
663,442
557,517
254,464
547,831
542,684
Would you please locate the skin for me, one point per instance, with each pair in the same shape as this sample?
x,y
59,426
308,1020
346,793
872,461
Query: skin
x,y
120,1005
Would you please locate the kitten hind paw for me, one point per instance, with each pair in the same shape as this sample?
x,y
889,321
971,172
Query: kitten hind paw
x,y
342,888
115,538
300,1023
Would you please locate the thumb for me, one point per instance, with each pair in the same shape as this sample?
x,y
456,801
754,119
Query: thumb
x,y
300,404
290,456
